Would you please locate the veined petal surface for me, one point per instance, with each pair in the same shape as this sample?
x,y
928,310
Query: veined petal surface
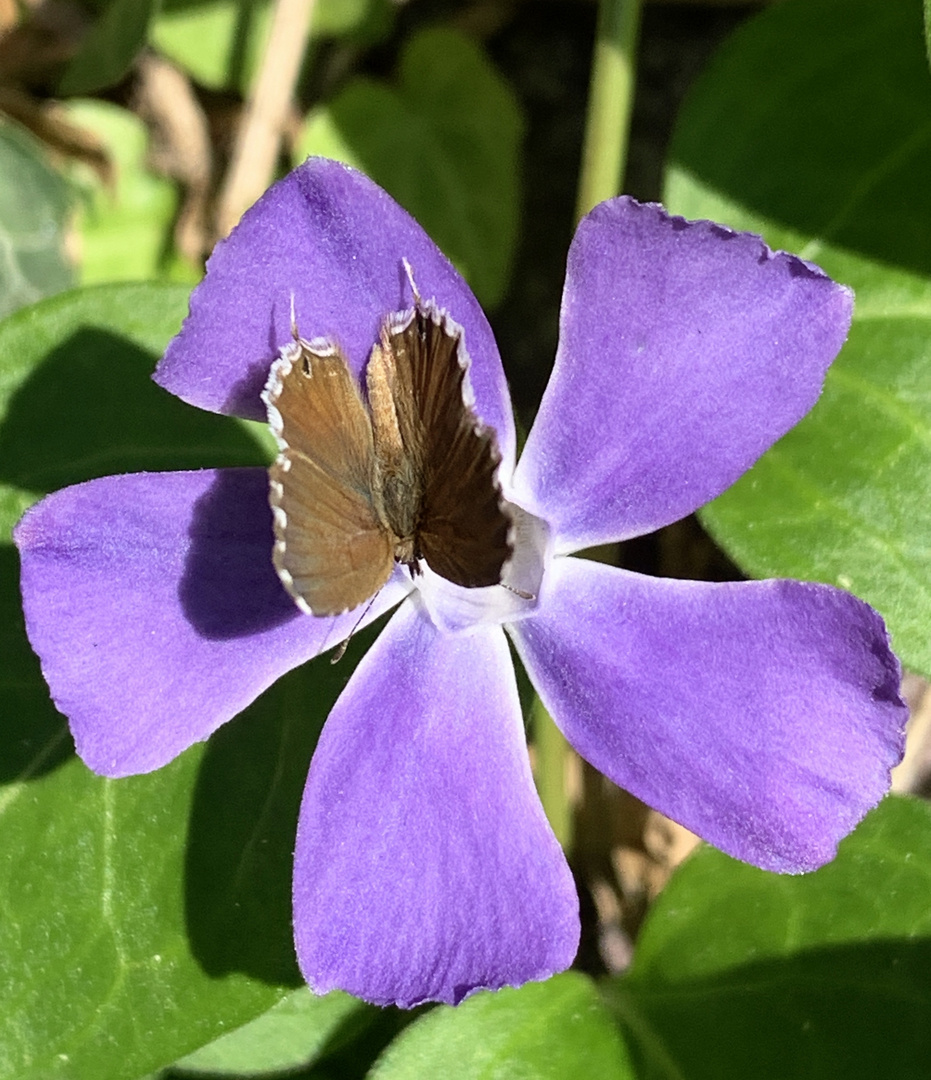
x,y
763,715
155,610
425,868
686,350
334,241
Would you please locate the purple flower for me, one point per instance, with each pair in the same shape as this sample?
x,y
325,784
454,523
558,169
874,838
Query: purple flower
x,y
763,715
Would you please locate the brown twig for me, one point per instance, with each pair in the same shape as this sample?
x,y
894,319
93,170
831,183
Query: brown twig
x,y
257,145
179,145
35,49
913,772
46,120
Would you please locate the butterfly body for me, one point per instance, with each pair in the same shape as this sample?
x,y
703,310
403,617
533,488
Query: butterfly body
x,y
408,476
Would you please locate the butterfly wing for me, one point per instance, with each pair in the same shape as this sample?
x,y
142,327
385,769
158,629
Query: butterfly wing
x,y
331,551
463,528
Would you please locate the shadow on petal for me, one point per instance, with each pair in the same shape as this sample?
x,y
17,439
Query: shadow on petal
x,y
230,588
245,398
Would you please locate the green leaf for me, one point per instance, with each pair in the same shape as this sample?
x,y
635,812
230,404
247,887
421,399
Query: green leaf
x,y
338,18
77,399
445,142
559,1028
93,935
141,917
740,973
110,46
34,205
125,231
145,916
813,127
928,29
293,1033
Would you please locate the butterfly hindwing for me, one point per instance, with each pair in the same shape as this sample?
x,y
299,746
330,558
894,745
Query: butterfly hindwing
x,y
463,529
331,550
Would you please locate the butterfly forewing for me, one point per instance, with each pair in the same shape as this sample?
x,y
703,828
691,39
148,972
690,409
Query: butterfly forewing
x,y
331,551
463,530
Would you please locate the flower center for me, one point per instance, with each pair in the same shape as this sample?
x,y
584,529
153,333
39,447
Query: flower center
x,y
455,609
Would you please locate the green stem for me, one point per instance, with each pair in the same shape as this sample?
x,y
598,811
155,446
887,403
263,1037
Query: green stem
x,y
552,753
604,157
611,94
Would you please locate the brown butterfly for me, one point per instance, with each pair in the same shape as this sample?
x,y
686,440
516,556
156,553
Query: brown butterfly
x,y
409,475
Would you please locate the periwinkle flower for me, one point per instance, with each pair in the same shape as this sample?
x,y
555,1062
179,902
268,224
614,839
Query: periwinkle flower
x,y
763,715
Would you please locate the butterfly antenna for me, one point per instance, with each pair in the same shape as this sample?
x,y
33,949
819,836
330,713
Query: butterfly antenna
x,y
518,592
341,650
410,278
294,333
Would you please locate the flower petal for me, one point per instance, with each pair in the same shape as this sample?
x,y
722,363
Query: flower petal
x,y
335,241
153,604
425,868
762,715
686,350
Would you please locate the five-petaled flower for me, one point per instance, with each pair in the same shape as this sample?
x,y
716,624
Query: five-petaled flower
x,y
763,715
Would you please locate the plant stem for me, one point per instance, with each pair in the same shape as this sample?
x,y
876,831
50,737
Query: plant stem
x,y
552,763
611,94
604,157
